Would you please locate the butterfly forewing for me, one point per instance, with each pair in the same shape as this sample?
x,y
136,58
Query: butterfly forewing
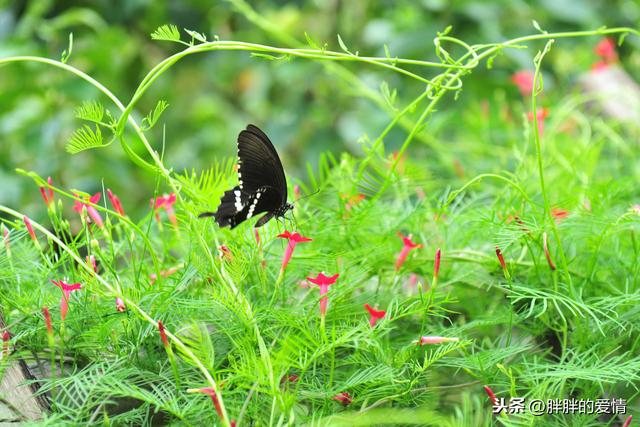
x,y
259,164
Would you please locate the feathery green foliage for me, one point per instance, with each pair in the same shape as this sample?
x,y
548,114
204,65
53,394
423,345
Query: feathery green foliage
x,y
255,336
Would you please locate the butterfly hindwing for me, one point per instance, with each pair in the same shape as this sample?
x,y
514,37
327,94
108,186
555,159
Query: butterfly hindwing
x,y
237,206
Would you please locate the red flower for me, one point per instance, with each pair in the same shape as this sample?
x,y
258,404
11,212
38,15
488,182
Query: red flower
x,y
324,282
163,334
165,202
115,202
413,280
559,214
6,337
289,378
47,194
225,252
408,247
606,49
214,397
294,239
627,422
47,320
491,394
91,260
344,398
66,292
374,315
546,251
120,307
503,264
524,81
436,340
79,206
32,233
542,114
436,264
296,192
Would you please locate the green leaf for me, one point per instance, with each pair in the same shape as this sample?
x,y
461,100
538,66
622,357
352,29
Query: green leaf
x,y
537,27
91,111
311,42
493,57
621,38
197,338
342,45
166,32
66,54
197,36
152,118
389,95
446,31
85,138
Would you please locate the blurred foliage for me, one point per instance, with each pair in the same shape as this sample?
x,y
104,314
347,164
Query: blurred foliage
x,y
315,112
304,106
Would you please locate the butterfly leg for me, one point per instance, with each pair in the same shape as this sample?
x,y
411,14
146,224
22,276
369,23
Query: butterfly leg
x,y
293,220
262,221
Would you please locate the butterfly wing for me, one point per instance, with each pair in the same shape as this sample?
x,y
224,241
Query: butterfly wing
x,y
259,164
262,186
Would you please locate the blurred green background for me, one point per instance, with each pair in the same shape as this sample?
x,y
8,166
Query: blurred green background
x,y
305,107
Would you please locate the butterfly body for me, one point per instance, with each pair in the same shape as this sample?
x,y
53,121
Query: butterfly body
x,y
262,186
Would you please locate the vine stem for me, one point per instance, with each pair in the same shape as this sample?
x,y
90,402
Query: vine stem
x,y
316,54
154,155
477,57
538,87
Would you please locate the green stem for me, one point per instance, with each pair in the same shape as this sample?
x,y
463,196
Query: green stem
x,y
174,365
538,87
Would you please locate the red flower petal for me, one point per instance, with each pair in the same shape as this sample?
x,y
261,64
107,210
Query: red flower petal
x,y
344,398
321,279
95,198
524,81
66,286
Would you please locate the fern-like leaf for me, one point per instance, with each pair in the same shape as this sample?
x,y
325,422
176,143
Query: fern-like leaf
x,y
196,36
91,111
85,138
152,118
166,32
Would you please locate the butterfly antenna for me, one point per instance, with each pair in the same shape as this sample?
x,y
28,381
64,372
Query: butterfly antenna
x,y
308,195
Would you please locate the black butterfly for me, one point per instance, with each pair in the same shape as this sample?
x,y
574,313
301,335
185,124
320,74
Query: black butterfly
x,y
262,186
